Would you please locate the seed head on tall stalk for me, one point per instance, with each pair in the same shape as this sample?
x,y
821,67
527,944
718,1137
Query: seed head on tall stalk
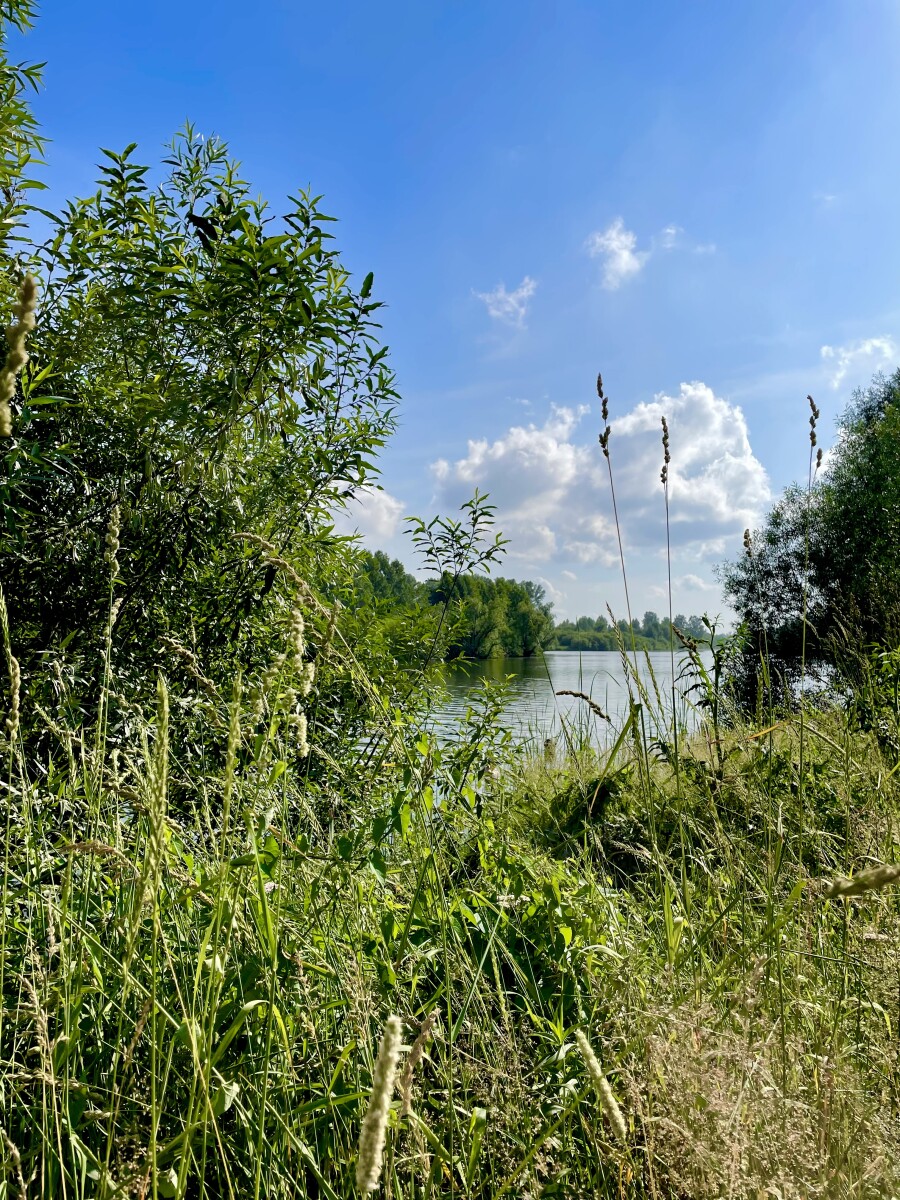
x,y
604,445
664,480
815,461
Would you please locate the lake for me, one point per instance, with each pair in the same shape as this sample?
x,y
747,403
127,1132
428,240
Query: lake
x,y
534,709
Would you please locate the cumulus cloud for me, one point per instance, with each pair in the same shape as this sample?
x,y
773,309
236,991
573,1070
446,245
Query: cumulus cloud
x,y
551,488
868,353
373,513
511,308
617,246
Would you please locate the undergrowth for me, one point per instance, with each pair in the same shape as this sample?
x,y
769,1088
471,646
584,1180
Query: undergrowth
x,y
198,960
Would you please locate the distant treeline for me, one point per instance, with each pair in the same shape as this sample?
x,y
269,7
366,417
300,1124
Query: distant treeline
x,y
503,618
598,633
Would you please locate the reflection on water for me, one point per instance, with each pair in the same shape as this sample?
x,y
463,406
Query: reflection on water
x,y
534,709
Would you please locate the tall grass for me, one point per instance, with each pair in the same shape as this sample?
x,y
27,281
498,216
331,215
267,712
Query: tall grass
x,y
201,952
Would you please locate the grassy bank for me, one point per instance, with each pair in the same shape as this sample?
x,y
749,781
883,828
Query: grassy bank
x,y
198,961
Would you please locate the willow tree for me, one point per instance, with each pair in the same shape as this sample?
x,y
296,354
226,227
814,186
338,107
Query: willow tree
x,y
201,368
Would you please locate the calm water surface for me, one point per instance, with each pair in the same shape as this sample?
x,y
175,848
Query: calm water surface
x,y
534,708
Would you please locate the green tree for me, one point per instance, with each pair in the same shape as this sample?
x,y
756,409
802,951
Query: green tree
x,y
831,550
21,145
494,618
387,581
201,369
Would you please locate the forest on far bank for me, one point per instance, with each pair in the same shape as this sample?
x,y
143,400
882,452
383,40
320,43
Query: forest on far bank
x,y
483,617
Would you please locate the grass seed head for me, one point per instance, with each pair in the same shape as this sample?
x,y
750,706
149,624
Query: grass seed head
x,y
872,880
415,1057
374,1126
15,689
667,457
604,413
607,1100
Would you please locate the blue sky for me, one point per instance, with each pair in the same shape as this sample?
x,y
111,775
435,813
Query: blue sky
x,y
697,199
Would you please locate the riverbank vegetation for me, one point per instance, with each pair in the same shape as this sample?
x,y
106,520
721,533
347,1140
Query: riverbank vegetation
x,y
473,616
651,633
656,959
481,617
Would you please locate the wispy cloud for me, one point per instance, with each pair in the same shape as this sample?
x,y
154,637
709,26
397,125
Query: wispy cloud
x,y
694,583
617,246
670,237
622,260
866,353
826,199
511,308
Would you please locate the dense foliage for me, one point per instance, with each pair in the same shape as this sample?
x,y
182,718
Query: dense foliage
x,y
200,370
479,616
820,582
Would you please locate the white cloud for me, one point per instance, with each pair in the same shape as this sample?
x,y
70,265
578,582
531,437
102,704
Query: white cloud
x,y
622,260
554,595
616,245
670,237
509,307
694,583
551,489
570,575
868,353
373,513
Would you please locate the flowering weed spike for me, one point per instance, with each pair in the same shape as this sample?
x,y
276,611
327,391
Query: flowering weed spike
x,y
16,355
374,1126
113,529
604,1092
297,721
